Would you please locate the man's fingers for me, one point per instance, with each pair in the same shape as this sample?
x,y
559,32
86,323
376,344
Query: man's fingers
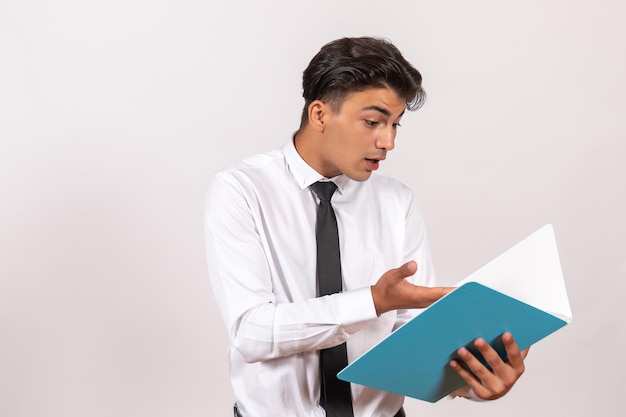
x,y
516,358
429,295
494,383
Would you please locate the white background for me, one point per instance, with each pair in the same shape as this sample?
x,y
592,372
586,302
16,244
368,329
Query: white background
x,y
113,115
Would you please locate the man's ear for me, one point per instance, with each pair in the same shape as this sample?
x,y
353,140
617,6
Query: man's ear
x,y
318,112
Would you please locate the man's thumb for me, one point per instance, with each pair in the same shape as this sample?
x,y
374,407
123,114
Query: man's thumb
x,y
408,269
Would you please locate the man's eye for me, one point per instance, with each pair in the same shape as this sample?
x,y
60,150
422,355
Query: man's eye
x,y
371,123
396,125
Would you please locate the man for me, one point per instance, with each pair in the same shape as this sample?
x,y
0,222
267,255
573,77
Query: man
x,y
267,264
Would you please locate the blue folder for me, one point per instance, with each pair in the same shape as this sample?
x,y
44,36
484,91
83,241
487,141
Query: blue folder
x,y
413,360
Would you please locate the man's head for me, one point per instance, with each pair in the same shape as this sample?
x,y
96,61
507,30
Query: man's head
x,y
350,65
356,91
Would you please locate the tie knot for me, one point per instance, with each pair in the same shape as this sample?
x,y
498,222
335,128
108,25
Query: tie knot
x,y
324,190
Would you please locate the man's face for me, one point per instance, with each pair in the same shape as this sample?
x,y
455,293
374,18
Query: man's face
x,y
358,136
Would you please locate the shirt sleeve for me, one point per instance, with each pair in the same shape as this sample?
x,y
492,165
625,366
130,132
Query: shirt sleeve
x,y
259,327
417,248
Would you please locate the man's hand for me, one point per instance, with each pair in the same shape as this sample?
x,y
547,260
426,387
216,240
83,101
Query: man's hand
x,y
393,291
491,384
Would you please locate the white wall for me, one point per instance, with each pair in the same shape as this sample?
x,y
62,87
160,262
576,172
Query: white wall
x,y
113,115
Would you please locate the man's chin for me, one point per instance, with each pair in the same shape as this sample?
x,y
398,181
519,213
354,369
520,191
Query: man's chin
x,y
360,177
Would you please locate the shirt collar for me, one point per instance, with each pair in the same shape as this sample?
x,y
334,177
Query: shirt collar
x,y
303,173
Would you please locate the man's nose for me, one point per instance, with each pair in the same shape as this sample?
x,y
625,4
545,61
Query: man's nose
x,y
386,139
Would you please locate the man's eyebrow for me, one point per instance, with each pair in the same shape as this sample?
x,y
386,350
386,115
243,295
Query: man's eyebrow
x,y
381,110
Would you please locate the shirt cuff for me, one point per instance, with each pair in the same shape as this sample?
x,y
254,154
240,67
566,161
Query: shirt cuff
x,y
356,307
466,392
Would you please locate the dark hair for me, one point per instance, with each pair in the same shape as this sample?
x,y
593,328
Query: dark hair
x,y
347,65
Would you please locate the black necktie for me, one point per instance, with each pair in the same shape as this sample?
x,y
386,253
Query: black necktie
x,y
335,394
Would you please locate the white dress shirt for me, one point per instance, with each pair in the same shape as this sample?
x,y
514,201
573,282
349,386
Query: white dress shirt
x,y
261,249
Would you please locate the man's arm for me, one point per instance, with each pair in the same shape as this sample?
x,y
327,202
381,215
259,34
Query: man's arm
x,y
261,327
